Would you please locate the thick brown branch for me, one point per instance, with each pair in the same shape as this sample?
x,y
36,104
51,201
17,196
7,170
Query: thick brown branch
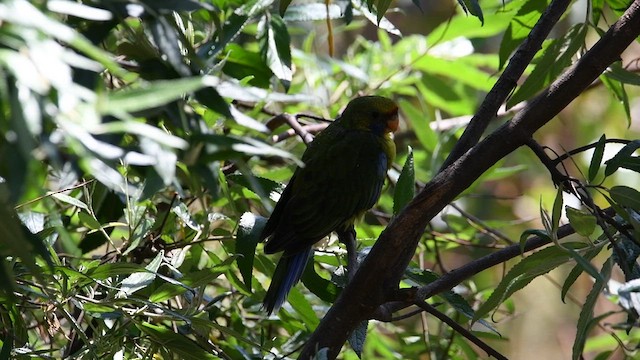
x,y
379,274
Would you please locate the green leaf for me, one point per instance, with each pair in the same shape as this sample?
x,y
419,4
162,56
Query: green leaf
x,y
623,157
617,72
226,147
535,232
319,286
284,4
529,268
262,187
302,306
582,222
596,160
166,39
596,11
241,63
617,89
626,196
275,47
419,122
585,264
406,185
190,281
105,271
381,8
377,19
460,71
557,56
178,345
556,212
70,200
140,280
150,95
586,314
249,229
89,220
579,269
520,27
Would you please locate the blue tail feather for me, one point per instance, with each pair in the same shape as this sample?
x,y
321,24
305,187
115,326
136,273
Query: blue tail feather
x,y
288,272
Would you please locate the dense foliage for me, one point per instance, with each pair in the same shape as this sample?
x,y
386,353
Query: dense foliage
x,y
143,143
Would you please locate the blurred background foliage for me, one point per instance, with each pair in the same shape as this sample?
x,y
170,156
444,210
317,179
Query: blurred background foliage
x,y
141,150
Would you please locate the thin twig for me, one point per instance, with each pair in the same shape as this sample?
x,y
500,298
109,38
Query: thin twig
x,y
461,330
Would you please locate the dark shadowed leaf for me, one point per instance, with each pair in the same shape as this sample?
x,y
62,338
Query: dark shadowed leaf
x,y
623,157
585,322
626,196
177,344
472,7
596,160
529,268
577,270
358,337
249,230
616,87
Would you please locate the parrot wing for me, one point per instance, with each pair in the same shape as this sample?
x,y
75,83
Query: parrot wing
x,y
343,176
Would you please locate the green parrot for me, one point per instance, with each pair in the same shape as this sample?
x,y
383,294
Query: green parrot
x,y
345,168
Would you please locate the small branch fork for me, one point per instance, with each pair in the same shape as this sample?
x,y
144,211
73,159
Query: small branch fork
x,y
305,132
575,187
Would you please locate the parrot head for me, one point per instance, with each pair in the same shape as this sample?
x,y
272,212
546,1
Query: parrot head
x,y
371,113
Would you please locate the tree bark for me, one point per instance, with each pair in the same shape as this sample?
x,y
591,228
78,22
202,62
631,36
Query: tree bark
x,y
381,271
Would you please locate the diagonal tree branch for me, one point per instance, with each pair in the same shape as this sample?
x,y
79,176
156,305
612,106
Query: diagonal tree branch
x,y
378,277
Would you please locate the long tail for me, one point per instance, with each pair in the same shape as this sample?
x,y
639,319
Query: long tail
x,y
288,271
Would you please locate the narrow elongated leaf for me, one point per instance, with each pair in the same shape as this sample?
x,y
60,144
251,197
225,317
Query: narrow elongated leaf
x,y
166,39
617,89
522,274
586,314
151,95
177,344
275,47
190,281
621,157
284,4
596,160
377,19
381,8
472,7
557,212
406,185
358,337
577,270
302,306
626,196
557,56
420,125
140,280
249,230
